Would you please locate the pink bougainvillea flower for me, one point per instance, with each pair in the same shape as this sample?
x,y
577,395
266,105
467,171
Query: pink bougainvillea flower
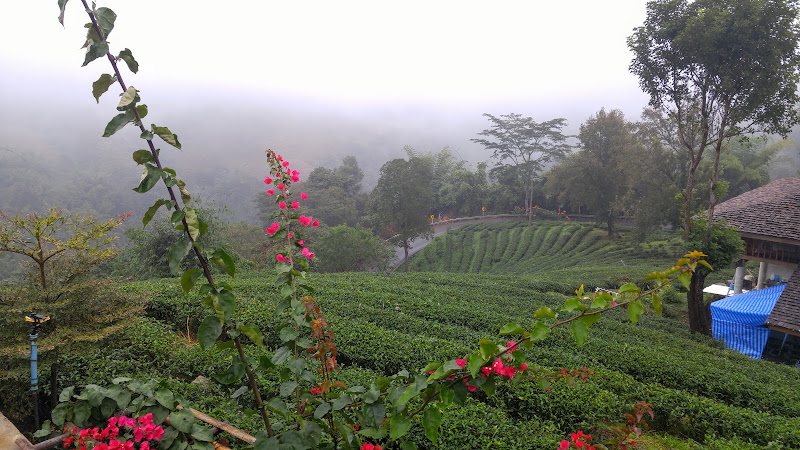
x,y
286,164
315,224
295,178
300,243
461,362
270,191
308,253
523,366
512,345
303,196
273,228
281,186
282,205
306,221
295,205
280,257
486,371
564,445
267,180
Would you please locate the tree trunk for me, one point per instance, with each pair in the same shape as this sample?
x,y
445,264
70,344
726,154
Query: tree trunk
x,y
405,247
610,223
699,316
687,202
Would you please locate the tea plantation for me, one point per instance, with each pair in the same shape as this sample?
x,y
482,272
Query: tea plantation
x,y
468,283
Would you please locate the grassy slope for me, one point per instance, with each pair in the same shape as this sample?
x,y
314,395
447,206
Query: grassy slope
x,y
385,323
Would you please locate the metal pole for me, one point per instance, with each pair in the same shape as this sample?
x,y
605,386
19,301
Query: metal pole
x,y
34,380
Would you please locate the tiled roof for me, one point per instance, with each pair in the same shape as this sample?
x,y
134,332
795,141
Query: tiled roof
x,y
786,313
772,210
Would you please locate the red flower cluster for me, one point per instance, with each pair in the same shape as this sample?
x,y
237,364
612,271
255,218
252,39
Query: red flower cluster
x,y
368,446
580,440
106,439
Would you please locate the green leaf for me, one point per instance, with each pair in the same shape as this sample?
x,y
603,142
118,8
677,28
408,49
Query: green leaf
x,y
182,420
118,122
127,56
189,278
281,355
374,413
142,110
150,176
635,309
62,4
226,302
147,135
120,395
489,386
105,20
191,219
96,50
476,361
602,300
540,331
202,433
511,328
66,394
224,261
234,373
573,304
288,333
209,331
431,420
629,287
420,383
177,216
82,410
177,252
371,396
165,397
253,333
655,276
148,215
296,365
399,426
168,136
341,402
143,156
287,388
408,445
321,410
580,327
128,99
657,304
544,313
59,414
101,86
488,348
94,393
685,278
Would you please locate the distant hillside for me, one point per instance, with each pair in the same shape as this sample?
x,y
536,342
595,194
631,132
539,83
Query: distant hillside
x,y
567,251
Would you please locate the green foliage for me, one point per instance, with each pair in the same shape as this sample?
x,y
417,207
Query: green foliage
x,y
719,241
345,249
402,200
600,175
522,148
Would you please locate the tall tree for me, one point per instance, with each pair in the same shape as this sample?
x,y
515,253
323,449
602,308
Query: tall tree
x,y
523,147
599,174
402,200
719,68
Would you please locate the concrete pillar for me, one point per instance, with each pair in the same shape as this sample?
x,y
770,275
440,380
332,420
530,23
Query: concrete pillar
x,y
738,277
762,274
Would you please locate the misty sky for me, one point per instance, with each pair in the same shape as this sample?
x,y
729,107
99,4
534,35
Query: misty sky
x,y
317,80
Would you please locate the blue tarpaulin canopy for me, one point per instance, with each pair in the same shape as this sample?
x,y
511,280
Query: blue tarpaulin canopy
x,y
739,320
